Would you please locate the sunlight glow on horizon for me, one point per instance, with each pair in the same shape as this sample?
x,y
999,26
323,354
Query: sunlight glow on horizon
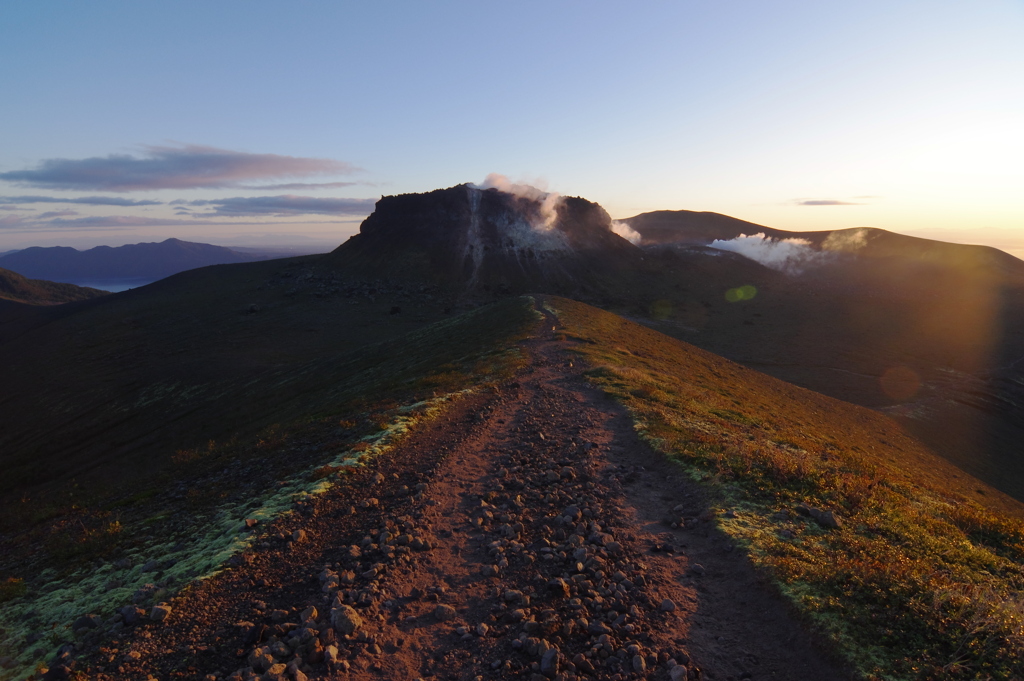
x,y
901,116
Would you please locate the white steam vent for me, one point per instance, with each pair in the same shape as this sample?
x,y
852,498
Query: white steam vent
x,y
846,240
548,200
791,256
626,232
548,207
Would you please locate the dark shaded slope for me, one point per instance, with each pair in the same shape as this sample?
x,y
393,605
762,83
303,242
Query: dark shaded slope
x,y
693,228
135,261
19,289
135,375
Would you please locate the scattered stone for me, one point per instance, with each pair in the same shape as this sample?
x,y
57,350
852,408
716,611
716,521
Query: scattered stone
x,y
827,519
550,662
261,660
667,605
160,612
132,614
698,569
558,588
443,612
513,596
345,619
87,622
275,673
679,673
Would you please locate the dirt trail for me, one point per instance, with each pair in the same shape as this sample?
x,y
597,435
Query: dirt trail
x,y
519,536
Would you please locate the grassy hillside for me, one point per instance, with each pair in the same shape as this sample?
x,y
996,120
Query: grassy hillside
x,y
19,289
923,578
133,376
82,546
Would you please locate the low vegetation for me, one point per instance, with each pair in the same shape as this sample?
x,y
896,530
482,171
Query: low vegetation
x,y
923,578
73,548
19,289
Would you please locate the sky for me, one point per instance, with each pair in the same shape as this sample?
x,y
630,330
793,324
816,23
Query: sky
x,y
246,122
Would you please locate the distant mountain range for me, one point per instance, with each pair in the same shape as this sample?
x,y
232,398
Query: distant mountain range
x,y
148,261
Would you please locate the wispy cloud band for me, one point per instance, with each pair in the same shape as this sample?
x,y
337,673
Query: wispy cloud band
x,y
283,205
82,200
179,167
825,202
298,186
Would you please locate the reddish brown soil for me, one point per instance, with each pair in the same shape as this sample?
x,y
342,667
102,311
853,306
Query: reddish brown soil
x,y
505,467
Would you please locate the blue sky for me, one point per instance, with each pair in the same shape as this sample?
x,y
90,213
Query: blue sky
x,y
217,119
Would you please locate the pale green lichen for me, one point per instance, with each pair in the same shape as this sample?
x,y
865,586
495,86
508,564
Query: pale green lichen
x,y
52,604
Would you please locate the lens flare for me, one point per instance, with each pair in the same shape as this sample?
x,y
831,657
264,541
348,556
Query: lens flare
x,y
735,295
661,309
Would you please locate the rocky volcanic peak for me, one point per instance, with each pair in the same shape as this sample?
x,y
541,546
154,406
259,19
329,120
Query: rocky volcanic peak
x,y
487,239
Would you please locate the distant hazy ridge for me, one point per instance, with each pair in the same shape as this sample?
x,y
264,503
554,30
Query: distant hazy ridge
x,y
150,261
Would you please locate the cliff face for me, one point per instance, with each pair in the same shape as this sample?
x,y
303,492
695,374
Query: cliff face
x,y
470,238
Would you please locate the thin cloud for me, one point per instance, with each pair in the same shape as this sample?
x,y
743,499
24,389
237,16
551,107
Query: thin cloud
x,y
825,202
117,221
83,200
56,214
125,221
299,186
12,221
188,166
285,205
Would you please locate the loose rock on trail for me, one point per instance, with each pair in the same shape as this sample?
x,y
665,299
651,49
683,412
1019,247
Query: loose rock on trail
x,y
521,535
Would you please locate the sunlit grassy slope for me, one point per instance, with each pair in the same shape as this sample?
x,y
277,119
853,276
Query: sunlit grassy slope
x,y
924,578
81,546
16,288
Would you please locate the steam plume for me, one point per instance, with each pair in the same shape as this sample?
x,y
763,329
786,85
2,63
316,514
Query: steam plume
x,y
846,240
548,200
791,256
626,232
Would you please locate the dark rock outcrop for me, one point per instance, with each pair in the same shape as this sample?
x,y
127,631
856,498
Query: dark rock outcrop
x,y
486,240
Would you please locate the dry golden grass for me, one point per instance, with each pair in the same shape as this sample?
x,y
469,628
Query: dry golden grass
x,y
925,578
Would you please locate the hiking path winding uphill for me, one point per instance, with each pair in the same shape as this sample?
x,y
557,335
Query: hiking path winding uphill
x,y
519,535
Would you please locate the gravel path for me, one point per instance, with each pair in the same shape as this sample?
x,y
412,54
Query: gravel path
x,y
521,535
